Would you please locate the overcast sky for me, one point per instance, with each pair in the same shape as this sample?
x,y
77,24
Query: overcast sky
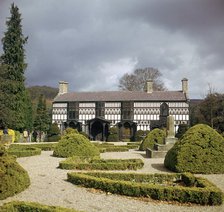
x,y
92,43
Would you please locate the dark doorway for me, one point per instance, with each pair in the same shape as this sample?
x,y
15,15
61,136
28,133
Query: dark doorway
x,y
98,129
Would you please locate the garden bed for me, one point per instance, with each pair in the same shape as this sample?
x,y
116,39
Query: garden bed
x,y
100,164
184,188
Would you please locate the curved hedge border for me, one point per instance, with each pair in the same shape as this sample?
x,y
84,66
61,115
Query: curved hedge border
x,y
17,206
23,150
99,164
196,190
13,177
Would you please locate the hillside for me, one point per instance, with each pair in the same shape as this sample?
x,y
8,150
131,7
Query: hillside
x,y
48,92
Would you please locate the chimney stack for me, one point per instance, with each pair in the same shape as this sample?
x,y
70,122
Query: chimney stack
x,y
185,87
149,86
63,87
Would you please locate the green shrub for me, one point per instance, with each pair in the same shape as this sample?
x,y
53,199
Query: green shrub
x,y
200,150
166,187
140,134
100,164
53,130
182,128
17,136
17,206
71,131
155,136
23,150
113,138
53,138
74,144
14,178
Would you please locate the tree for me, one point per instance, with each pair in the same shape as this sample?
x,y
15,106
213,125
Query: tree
x,y
210,111
42,119
136,81
13,92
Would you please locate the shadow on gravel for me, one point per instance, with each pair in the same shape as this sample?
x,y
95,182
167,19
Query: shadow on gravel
x,y
160,167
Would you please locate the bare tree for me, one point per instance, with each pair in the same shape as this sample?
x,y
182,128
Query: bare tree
x,y
136,81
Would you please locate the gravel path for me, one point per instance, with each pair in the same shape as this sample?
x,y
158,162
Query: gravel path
x,y
49,186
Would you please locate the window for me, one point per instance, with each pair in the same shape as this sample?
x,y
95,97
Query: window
x,y
73,110
100,109
127,110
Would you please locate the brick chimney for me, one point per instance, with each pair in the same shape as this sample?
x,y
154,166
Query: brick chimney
x,y
149,86
63,87
185,87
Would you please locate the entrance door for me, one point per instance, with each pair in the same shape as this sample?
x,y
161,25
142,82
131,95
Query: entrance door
x,y
97,131
126,131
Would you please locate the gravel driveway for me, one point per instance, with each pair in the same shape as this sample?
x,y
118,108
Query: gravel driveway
x,y
49,186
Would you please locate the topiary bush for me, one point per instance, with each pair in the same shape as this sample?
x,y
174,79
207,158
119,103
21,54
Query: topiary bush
x,y
200,150
53,133
113,136
19,206
14,178
155,136
75,144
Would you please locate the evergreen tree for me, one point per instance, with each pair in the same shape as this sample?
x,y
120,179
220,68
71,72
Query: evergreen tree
x,y
14,98
42,119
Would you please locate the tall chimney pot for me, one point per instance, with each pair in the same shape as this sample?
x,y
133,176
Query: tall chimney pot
x,y
149,86
63,87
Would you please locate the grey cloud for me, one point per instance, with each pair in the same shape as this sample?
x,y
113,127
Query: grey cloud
x,y
73,40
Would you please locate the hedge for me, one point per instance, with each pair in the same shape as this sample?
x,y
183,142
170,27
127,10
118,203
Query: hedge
x,y
100,164
157,186
23,150
155,136
75,144
19,206
200,150
14,178
116,149
45,146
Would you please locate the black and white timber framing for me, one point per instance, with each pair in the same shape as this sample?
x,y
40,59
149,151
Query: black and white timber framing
x,y
137,110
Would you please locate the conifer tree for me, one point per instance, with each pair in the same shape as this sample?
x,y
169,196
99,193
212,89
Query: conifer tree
x,y
42,119
14,97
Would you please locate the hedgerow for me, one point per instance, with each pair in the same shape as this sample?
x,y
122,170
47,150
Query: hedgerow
x,y
19,206
154,136
200,150
23,150
14,178
166,187
100,164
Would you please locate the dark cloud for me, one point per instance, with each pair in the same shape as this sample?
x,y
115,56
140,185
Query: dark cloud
x,y
92,43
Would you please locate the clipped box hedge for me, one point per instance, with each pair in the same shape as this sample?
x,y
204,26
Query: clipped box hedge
x,y
45,146
18,206
23,150
116,148
13,177
100,164
165,187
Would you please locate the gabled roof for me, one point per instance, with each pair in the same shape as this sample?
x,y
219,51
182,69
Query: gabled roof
x,y
111,96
